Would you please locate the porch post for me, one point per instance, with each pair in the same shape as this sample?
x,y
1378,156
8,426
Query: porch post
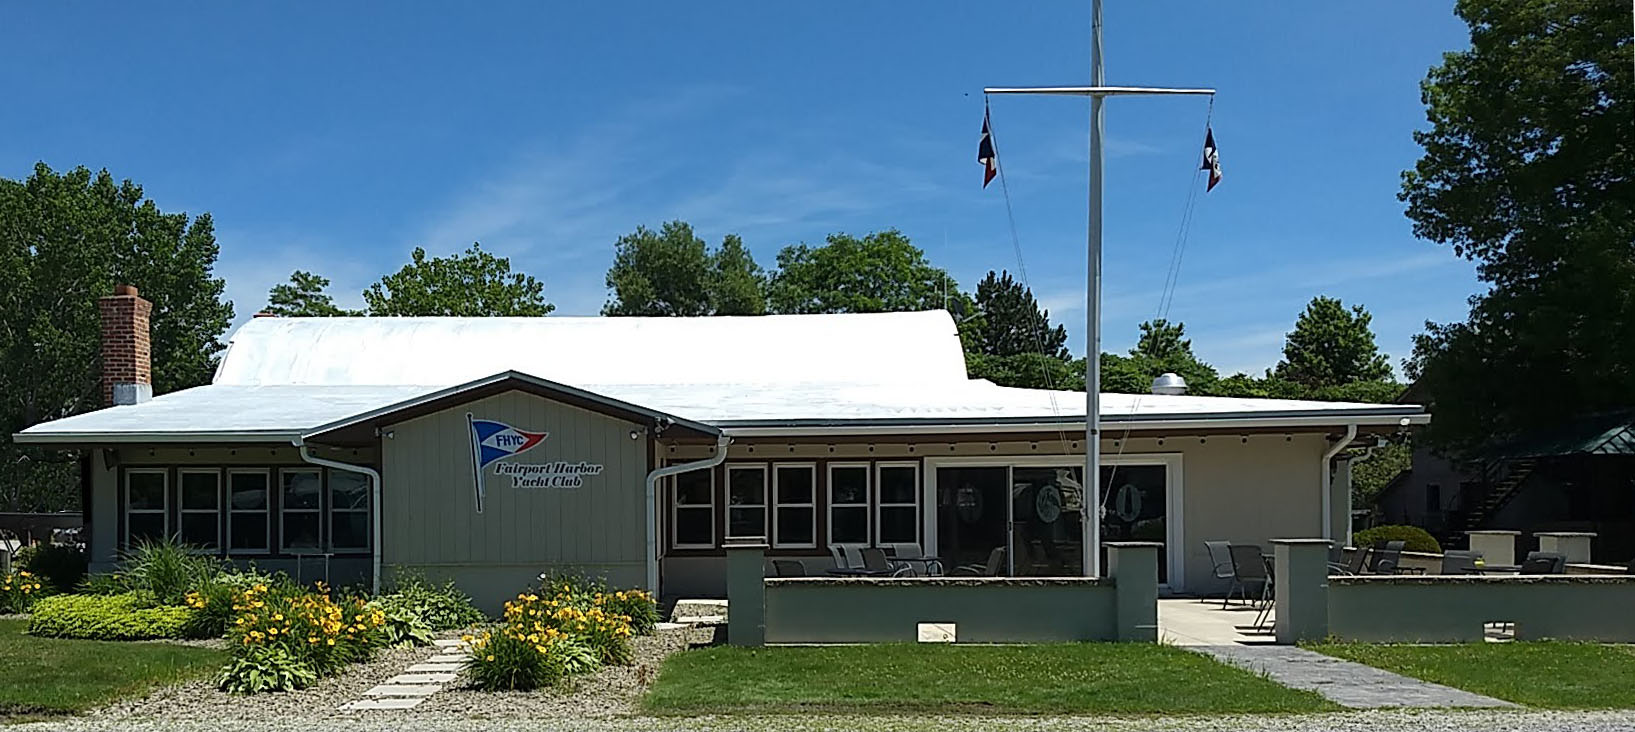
x,y
1301,589
1133,567
746,591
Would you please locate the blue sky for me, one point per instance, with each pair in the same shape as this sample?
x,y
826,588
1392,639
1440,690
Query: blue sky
x,y
336,137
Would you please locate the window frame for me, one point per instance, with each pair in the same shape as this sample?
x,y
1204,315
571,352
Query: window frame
x,y
330,510
284,511
676,508
265,511
182,510
880,503
163,510
777,504
766,480
867,505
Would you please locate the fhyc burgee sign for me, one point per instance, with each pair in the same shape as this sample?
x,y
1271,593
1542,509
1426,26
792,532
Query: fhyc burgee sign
x,y
492,441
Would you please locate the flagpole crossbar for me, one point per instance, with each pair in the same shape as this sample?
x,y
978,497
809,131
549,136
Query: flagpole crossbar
x,y
1094,91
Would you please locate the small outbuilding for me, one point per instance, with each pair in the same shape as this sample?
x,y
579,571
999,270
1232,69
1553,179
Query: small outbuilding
x,y
490,450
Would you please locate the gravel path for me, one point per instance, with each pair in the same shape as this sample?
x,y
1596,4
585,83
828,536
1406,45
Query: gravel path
x,y
1370,721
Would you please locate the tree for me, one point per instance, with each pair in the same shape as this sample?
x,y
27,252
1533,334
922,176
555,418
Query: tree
x,y
1528,171
1162,348
672,272
304,296
881,272
1012,323
473,284
1330,346
65,240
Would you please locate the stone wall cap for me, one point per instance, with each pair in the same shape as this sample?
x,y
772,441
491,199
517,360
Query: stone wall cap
x,y
1591,534
1494,532
1302,541
940,581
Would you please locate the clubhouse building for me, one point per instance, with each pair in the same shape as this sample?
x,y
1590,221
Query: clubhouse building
x,y
489,450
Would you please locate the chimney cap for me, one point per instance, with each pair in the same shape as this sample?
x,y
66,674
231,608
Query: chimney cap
x,y
126,291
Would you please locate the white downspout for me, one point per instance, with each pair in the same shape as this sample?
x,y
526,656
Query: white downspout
x,y
374,498
653,479
1328,478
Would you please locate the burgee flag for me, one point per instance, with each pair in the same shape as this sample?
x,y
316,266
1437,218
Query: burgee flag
x,y
1212,160
491,441
985,153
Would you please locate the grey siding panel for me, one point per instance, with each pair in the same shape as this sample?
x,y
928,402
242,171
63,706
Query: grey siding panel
x,y
432,523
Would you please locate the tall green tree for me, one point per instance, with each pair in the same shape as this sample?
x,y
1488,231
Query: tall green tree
x,y
306,295
1162,348
1011,321
1331,345
1529,172
65,240
672,272
473,284
879,272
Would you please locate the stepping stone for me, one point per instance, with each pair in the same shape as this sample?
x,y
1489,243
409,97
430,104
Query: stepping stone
x,y
382,704
446,642
439,678
433,668
404,690
669,626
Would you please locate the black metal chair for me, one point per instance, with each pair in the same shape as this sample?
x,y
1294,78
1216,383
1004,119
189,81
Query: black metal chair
x,y
1220,555
1354,566
874,560
1460,561
1248,573
788,568
1387,557
1544,563
994,567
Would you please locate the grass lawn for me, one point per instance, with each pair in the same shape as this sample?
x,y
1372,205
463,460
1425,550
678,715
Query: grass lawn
x,y
47,676
1552,675
1110,678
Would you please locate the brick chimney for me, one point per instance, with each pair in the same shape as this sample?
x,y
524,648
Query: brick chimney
x,y
127,358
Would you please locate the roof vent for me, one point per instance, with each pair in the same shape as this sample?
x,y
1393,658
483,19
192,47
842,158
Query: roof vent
x,y
1169,384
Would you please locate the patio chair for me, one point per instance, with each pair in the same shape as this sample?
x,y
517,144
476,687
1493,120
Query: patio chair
x,y
1387,557
1544,563
1355,566
788,568
840,559
1248,573
874,560
854,557
1220,555
912,554
994,567
1460,561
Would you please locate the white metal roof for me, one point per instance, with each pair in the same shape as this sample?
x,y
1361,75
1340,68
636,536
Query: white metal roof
x,y
284,377
844,348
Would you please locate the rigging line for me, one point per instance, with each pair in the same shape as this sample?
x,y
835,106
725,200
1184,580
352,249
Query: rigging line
x,y
1166,298
1022,272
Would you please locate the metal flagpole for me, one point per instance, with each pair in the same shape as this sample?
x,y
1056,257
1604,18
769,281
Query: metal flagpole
x,y
1090,505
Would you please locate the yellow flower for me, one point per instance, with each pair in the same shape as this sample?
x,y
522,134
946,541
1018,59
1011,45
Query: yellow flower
x,y
331,641
491,657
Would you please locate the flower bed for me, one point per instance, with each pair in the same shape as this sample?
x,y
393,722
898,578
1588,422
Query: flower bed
x,y
18,591
567,626
284,637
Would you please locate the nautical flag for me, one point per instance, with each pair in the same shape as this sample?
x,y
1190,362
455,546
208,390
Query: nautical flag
x,y
985,153
1212,160
491,441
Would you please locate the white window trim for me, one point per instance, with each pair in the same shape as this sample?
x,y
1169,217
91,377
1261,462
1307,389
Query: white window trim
x,y
866,505
676,508
328,527
266,511
880,501
183,510
766,480
778,505
164,495
284,511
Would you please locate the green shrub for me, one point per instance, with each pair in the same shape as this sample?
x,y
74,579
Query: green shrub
x,y
636,605
131,616
212,600
404,629
438,607
169,569
265,668
105,583
59,566
1418,540
19,591
320,632
509,661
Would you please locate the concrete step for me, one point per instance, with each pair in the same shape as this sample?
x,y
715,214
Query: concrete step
x,y
389,703
409,690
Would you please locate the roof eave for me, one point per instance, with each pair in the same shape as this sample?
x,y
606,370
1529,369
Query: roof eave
x,y
911,426
71,439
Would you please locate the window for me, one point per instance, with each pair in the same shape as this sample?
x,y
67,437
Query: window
x,y
849,504
201,508
746,501
794,497
301,493
147,505
898,520
1433,497
348,511
247,510
693,509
